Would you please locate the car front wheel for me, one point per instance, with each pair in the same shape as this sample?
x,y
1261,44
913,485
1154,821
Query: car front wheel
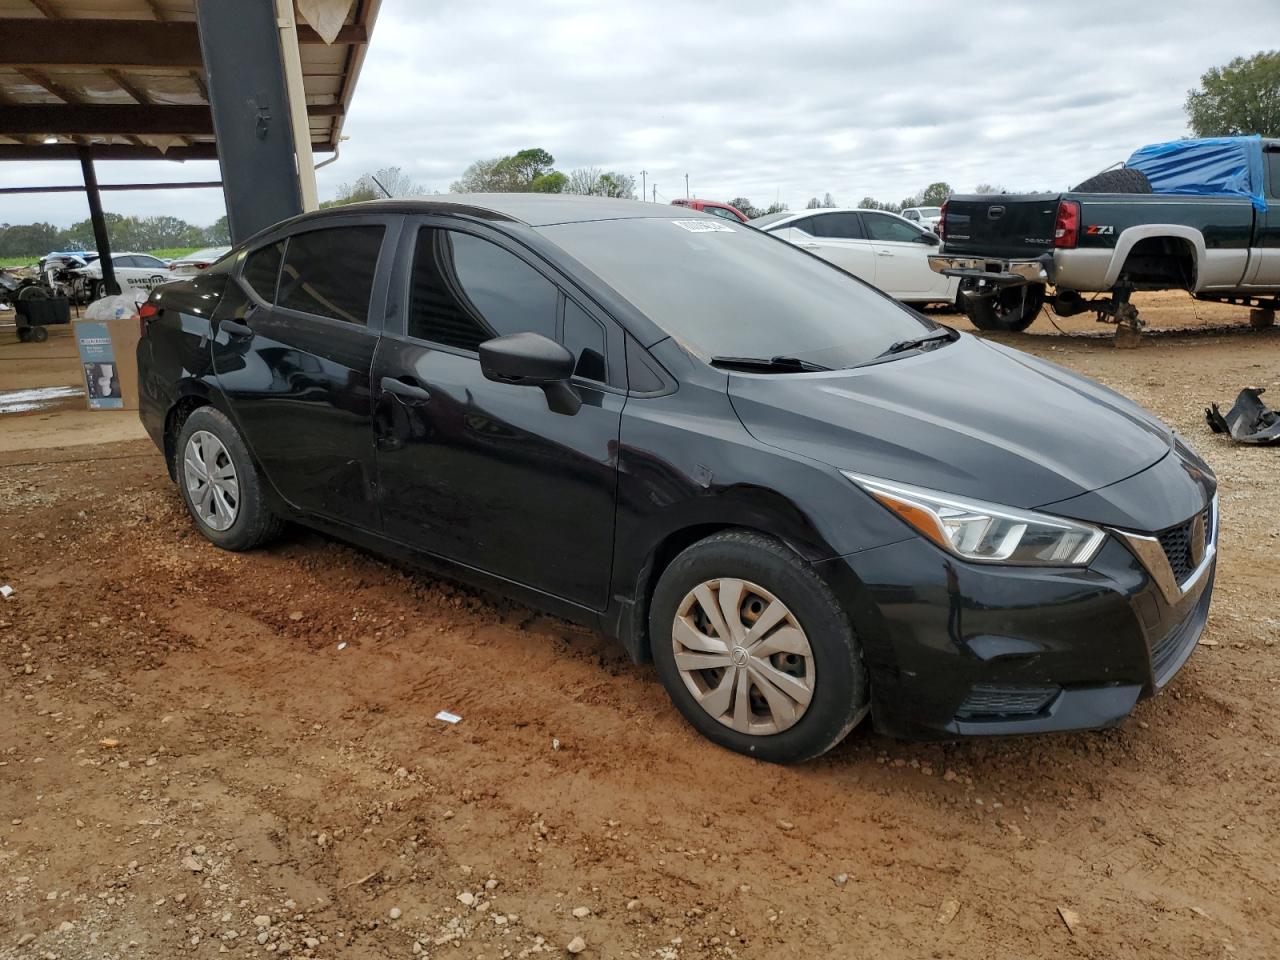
x,y
755,650
220,483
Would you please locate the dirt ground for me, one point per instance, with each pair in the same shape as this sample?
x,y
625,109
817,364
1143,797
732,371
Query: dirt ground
x,y
206,753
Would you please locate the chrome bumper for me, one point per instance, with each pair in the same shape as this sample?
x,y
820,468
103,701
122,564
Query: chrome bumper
x,y
996,271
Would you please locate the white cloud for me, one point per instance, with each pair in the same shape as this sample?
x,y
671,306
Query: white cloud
x,y
751,98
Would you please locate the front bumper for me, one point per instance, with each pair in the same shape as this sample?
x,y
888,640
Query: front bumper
x,y
958,649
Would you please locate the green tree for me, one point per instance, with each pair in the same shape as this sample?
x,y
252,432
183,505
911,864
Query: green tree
x,y
590,181
529,170
935,194
219,232
1241,98
747,207
28,239
387,182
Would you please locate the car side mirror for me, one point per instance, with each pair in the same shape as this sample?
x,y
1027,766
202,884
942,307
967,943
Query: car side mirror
x,y
532,360
930,238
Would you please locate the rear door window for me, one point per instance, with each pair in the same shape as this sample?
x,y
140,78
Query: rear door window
x,y
837,226
262,270
466,290
329,272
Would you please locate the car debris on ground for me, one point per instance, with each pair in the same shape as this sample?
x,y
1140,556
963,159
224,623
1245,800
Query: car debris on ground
x,y
1248,421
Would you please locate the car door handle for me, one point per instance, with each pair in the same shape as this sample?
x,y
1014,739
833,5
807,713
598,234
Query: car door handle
x,y
234,328
884,253
409,391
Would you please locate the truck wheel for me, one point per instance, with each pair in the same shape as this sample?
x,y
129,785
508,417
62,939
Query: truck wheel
x,y
1013,308
1115,181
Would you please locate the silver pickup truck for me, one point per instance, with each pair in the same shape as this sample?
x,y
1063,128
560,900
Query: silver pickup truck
x,y
1197,215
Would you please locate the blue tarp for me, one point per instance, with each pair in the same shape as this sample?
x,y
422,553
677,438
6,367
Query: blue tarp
x,y
1212,167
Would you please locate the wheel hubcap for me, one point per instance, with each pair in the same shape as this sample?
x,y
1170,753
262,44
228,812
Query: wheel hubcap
x,y
744,656
211,481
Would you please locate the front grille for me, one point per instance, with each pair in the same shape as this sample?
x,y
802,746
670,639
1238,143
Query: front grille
x,y
990,701
1171,651
1184,545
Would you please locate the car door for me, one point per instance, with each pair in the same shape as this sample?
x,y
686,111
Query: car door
x,y
485,473
293,349
143,271
902,264
1264,270
838,237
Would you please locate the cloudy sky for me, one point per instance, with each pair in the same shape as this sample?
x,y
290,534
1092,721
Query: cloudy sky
x,y
755,98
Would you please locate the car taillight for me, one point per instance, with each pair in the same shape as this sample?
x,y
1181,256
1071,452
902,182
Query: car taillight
x,y
201,266
146,313
1066,229
942,221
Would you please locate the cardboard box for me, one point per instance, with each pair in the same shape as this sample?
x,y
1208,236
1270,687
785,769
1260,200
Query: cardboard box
x,y
109,355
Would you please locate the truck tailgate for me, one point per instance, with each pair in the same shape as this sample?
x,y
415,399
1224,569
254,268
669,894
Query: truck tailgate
x,y
1001,225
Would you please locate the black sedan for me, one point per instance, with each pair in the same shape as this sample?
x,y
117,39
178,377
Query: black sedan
x,y
804,502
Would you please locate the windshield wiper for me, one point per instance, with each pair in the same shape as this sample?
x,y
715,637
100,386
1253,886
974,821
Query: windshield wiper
x,y
774,364
902,346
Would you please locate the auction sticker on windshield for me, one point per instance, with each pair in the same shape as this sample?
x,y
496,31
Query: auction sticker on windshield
x,y
704,226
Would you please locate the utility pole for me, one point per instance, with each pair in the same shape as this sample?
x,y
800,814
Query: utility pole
x,y
686,186
655,193
644,186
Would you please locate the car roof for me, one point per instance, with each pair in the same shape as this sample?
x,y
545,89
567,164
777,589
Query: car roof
x,y
531,209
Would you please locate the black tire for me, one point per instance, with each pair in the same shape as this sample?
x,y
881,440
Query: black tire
x,y
1122,180
1013,308
840,697
39,334
254,523
33,292
24,334
99,290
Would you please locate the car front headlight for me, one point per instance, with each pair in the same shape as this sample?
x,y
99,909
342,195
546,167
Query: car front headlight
x,y
986,532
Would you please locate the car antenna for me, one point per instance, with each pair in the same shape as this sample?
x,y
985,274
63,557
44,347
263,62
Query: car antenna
x,y
380,186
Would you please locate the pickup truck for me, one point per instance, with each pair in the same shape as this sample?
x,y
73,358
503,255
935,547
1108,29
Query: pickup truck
x,y
1197,215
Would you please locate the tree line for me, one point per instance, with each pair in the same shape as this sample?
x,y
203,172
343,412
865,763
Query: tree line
x,y
126,233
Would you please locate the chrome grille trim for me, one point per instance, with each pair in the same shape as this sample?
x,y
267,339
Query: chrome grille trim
x,y
1151,553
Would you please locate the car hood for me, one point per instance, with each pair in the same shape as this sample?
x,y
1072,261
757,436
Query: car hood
x,y
969,418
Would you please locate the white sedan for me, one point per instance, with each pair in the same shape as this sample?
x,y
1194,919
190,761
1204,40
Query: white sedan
x,y
881,248
137,270
193,263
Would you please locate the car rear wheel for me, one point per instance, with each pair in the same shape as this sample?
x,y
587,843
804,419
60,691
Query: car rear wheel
x,y
1012,308
220,483
755,650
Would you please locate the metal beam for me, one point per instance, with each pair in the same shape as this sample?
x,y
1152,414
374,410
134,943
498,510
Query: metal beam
x,y
105,151
99,222
121,43
122,119
179,185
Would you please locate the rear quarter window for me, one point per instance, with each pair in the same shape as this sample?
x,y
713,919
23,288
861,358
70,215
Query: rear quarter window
x,y
262,270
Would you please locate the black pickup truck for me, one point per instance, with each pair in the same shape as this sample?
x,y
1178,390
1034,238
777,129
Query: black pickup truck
x,y
1197,215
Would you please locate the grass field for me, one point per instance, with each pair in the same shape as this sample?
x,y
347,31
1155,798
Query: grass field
x,y
165,253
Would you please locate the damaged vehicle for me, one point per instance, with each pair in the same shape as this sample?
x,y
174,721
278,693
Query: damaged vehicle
x,y
802,501
1195,215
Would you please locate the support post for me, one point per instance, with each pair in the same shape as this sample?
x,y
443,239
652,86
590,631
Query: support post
x,y
99,221
297,104
241,42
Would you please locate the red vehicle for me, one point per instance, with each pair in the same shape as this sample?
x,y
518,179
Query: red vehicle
x,y
713,207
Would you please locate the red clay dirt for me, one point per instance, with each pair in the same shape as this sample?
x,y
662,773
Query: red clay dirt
x,y
203,752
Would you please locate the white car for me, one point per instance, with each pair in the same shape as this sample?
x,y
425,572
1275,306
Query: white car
x,y
926,218
884,249
193,263
138,270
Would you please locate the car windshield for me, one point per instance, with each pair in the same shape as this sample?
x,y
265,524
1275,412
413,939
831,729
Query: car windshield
x,y
723,290
930,211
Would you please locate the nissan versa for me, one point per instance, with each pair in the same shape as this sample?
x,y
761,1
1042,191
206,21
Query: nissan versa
x,y
804,501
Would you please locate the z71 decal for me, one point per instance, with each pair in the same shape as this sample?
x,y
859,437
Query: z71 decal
x,y
1100,230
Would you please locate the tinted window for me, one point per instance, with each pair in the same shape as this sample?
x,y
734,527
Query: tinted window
x,y
148,262
911,214
585,339
805,225
122,261
1273,172
880,227
737,292
721,212
467,290
837,226
262,269
329,273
